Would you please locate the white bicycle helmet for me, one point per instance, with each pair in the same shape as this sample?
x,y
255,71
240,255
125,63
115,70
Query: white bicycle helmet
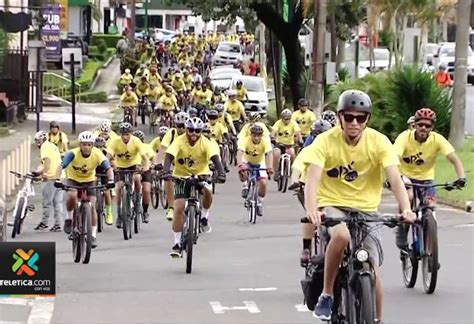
x,y
178,75
219,108
194,123
86,137
180,118
105,126
329,116
41,136
127,70
162,130
411,120
231,92
286,113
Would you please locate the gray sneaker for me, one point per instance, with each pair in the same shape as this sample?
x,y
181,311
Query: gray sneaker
x,y
259,209
176,251
118,223
94,242
205,226
245,191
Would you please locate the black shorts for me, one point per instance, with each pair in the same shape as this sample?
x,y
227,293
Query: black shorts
x,y
146,176
182,190
90,192
121,176
282,147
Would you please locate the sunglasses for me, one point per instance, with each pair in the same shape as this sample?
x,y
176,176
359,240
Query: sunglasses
x,y
349,118
87,144
194,130
286,119
213,117
179,125
423,125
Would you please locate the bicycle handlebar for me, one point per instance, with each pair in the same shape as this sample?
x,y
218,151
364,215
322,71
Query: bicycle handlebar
x,y
448,186
68,187
390,220
26,176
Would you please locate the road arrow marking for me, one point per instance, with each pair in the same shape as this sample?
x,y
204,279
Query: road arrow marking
x,y
249,306
259,289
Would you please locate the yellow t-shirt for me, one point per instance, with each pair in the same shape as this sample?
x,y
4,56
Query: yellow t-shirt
x,y
304,120
254,153
156,144
154,79
60,140
245,131
127,155
285,134
169,137
82,169
126,78
168,102
201,97
178,85
188,82
209,95
217,132
154,94
234,109
418,159
241,93
51,151
299,165
225,120
129,100
189,159
149,152
352,175
112,136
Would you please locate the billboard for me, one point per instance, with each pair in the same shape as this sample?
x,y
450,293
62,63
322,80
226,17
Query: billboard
x,y
50,33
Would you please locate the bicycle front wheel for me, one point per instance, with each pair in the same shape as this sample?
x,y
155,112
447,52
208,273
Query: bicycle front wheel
x,y
125,214
365,300
18,217
100,210
137,213
155,193
410,262
430,259
190,217
86,233
162,194
285,176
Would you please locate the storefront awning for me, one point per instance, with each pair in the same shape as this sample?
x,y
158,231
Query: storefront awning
x,y
79,3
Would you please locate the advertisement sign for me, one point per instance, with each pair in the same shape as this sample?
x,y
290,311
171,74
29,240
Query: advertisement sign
x,y
63,22
51,29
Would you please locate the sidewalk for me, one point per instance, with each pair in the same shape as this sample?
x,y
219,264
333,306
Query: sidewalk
x,y
108,78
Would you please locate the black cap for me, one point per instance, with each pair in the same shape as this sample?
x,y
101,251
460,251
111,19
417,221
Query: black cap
x,y
303,102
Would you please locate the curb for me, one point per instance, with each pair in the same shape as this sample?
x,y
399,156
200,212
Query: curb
x,y
105,65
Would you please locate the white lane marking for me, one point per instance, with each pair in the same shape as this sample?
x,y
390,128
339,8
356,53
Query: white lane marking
x,y
302,308
259,289
42,309
11,322
249,306
464,225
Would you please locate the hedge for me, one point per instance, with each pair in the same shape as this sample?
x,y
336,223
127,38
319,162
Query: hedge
x,y
88,74
110,40
91,97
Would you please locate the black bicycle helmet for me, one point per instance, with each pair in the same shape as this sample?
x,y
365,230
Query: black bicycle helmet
x,y
302,102
125,128
99,142
256,129
212,113
354,100
141,135
320,126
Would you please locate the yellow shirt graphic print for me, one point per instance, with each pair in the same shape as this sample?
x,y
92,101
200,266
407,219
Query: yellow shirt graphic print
x,y
82,169
352,175
126,155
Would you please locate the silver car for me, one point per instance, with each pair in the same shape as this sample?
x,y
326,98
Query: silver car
x,y
227,53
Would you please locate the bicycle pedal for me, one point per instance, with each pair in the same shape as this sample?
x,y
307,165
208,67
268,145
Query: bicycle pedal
x,y
31,207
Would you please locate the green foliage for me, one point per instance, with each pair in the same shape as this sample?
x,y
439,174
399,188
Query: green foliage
x,y
385,38
101,45
93,49
349,14
88,74
343,74
128,61
110,40
396,95
91,97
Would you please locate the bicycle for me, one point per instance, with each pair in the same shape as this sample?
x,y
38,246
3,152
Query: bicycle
x,y
21,205
252,195
129,209
285,172
81,232
354,288
422,241
100,208
164,118
154,116
233,150
192,216
158,193
225,154
142,108
128,114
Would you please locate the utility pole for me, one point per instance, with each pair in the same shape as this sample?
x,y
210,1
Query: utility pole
x,y
318,56
262,56
131,36
458,116
146,17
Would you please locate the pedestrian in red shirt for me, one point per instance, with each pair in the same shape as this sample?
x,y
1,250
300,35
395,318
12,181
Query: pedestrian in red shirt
x,y
253,67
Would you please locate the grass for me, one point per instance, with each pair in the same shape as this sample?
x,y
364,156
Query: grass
x,y
445,173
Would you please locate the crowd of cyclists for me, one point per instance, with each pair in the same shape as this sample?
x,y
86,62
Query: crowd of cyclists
x,y
338,163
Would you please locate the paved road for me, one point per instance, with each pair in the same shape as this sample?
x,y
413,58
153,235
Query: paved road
x,y
469,125
137,282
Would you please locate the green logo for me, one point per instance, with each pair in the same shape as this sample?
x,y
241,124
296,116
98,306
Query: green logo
x,y
25,262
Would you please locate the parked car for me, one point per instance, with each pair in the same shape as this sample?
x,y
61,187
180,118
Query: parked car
x,y
222,76
227,53
429,50
257,93
447,54
381,60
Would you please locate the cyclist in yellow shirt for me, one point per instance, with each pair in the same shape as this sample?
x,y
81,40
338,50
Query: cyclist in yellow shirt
x,y
129,154
168,101
219,133
126,78
241,91
200,95
236,109
154,77
168,139
155,144
142,87
304,118
105,131
225,119
255,152
192,154
188,80
284,132
81,164
58,138
418,150
129,100
346,167
254,119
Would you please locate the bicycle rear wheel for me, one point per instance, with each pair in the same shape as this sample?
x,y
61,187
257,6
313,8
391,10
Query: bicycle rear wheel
x,y
137,213
161,190
190,217
18,221
285,176
155,193
430,259
410,263
100,210
76,237
86,232
365,300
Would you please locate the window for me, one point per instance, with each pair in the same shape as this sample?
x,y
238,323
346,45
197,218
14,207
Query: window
x,y
226,47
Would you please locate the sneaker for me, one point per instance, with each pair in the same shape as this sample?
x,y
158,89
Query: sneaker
x,y
56,228
259,209
176,251
276,176
146,218
170,214
205,226
67,226
305,257
109,218
245,191
118,223
94,242
41,226
323,308
401,239
226,169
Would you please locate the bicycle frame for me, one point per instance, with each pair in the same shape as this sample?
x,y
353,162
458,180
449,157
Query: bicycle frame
x,y
27,191
285,158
